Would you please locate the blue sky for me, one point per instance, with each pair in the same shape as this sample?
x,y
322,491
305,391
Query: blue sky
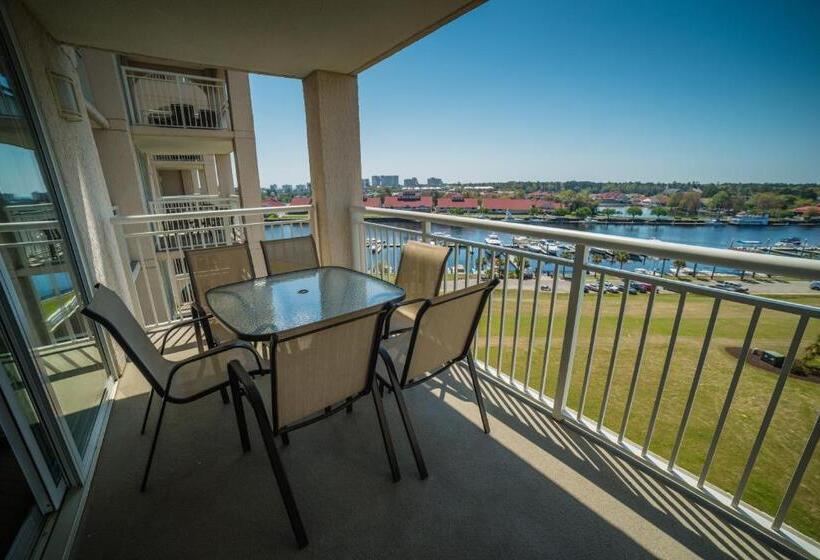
x,y
596,90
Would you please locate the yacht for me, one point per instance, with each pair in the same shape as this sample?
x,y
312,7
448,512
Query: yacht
x,y
493,239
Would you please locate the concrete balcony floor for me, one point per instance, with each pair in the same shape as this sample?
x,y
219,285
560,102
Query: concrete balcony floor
x,y
531,489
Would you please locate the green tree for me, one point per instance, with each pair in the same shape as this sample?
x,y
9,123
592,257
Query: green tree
x,y
679,264
583,212
608,212
634,211
621,257
659,211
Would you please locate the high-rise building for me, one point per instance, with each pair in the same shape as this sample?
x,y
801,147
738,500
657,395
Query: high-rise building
x,y
385,181
411,182
434,182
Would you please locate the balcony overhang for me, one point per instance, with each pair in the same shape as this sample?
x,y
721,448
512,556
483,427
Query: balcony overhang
x,y
158,140
276,37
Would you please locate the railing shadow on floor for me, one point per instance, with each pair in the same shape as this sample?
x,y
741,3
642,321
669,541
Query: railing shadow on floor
x,y
668,509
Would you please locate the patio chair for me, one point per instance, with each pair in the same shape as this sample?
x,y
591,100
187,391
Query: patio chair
x,y
177,382
441,336
209,268
290,254
420,272
321,369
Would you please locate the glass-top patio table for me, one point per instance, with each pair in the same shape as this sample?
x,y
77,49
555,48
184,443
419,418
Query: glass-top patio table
x,y
295,302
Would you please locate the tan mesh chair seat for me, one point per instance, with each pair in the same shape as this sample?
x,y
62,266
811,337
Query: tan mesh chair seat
x,y
199,375
212,267
179,381
420,272
441,336
290,254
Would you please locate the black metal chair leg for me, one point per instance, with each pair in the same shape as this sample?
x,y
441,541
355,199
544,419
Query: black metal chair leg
x,y
386,438
224,392
478,396
349,407
240,415
405,418
285,438
153,445
147,410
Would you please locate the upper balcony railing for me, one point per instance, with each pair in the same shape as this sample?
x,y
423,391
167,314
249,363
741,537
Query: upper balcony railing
x,y
661,367
153,249
192,203
172,99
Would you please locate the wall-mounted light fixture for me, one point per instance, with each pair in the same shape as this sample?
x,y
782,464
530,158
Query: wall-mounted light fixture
x,y
65,94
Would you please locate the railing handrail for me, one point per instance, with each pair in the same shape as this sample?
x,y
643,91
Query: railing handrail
x,y
194,197
148,218
39,225
129,69
788,266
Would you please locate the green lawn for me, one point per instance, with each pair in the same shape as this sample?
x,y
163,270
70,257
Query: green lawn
x,y
796,413
52,304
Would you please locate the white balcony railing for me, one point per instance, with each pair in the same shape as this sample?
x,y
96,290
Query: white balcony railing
x,y
171,99
646,373
194,203
153,248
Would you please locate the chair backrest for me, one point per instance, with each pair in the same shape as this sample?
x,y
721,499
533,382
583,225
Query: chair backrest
x,y
212,267
323,366
290,254
421,269
107,309
444,330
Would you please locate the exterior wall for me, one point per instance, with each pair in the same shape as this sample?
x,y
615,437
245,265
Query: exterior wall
x,y
332,111
78,166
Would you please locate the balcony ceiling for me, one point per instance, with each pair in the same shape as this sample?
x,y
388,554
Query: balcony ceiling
x,y
277,37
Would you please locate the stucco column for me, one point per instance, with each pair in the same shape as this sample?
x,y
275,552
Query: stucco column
x,y
247,170
211,180
332,113
224,174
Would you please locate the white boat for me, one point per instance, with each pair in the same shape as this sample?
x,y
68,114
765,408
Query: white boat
x,y
493,239
519,241
535,248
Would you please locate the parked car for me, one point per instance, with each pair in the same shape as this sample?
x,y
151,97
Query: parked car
x,y
731,287
814,284
546,288
632,289
591,287
642,287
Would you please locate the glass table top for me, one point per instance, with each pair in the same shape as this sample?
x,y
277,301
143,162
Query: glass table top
x,y
257,309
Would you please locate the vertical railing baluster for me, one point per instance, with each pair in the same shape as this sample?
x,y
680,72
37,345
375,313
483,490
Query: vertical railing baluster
x,y
614,356
503,313
637,370
533,325
730,395
542,386
767,417
517,319
591,353
797,476
690,400
489,312
673,338
574,308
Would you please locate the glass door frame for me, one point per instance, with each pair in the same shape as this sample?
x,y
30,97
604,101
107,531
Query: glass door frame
x,y
76,467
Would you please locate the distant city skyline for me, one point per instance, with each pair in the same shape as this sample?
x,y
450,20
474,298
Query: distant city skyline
x,y
631,91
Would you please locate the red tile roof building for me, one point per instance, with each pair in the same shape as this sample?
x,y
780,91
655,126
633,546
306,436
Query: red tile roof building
x,y
373,202
272,203
449,202
512,205
301,201
420,203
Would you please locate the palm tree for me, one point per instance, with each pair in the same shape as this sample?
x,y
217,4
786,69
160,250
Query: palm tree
x,y
596,259
679,263
622,257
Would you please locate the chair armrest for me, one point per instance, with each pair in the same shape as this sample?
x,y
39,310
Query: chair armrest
x,y
236,345
179,326
393,308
